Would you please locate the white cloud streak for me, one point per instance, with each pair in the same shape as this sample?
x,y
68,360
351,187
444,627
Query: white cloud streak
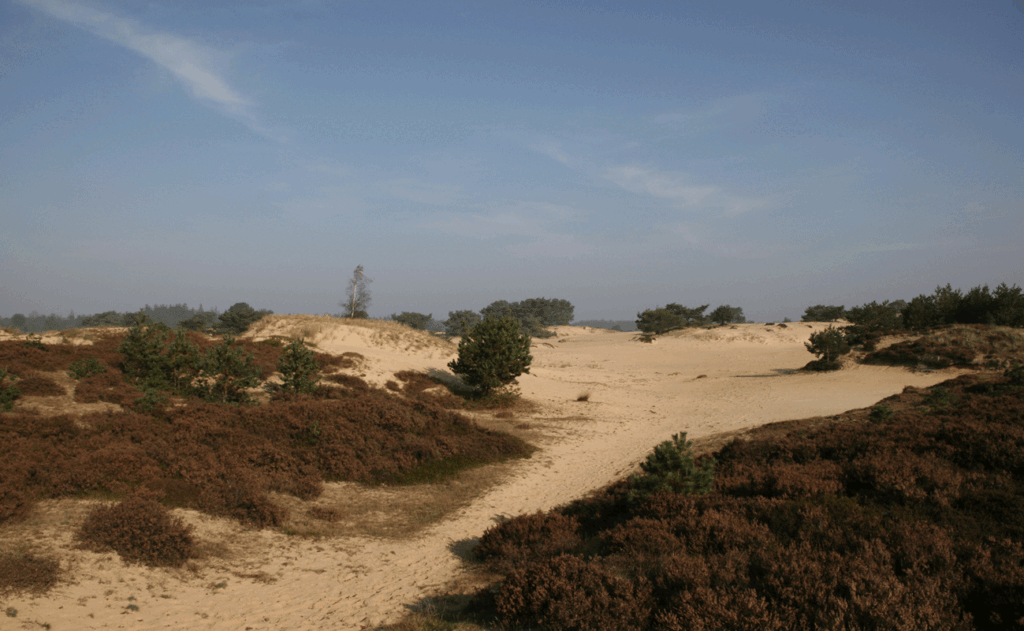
x,y
196,66
675,188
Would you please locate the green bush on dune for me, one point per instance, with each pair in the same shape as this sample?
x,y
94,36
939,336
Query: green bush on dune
x,y
493,354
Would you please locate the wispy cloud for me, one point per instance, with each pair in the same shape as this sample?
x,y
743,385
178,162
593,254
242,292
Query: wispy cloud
x,y
676,188
552,150
525,229
197,67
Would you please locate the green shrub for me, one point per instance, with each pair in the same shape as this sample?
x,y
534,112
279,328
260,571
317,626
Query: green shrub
x,y
419,321
82,368
881,413
823,313
828,346
8,393
145,363
140,530
231,371
726,315
493,354
36,343
459,323
239,317
671,468
298,367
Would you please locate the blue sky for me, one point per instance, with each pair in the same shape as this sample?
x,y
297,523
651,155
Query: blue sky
x,y
620,155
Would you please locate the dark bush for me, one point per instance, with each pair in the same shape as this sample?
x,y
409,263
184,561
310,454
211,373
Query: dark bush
x,y
493,354
239,317
27,572
569,594
414,320
460,322
828,346
82,368
528,538
823,313
8,392
140,530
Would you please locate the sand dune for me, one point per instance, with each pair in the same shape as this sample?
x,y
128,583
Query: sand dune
x,y
703,382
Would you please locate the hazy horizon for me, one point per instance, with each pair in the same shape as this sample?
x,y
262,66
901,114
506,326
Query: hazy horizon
x,y
619,155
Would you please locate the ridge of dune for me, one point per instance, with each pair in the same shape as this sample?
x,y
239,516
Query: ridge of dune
x,y
701,381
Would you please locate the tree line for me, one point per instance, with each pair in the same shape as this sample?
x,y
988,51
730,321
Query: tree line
x,y
1003,306
234,321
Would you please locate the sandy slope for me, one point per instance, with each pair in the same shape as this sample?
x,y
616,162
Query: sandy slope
x,y
701,382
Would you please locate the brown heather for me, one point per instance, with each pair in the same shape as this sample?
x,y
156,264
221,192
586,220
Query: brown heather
x,y
140,530
225,459
913,522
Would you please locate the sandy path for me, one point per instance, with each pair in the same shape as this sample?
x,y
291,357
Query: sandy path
x,y
640,394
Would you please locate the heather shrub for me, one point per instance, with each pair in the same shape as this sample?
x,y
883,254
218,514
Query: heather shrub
x,y
27,572
140,530
36,385
568,594
527,538
493,354
671,468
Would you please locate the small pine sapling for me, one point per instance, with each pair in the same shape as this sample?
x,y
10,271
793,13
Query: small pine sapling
x,y
298,367
670,468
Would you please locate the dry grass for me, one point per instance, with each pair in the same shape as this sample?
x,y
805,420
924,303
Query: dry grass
x,y
382,333
347,509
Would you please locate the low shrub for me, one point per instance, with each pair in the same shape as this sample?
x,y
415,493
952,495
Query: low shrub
x,y
82,368
27,572
671,468
528,538
140,530
298,367
8,393
568,594
36,385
